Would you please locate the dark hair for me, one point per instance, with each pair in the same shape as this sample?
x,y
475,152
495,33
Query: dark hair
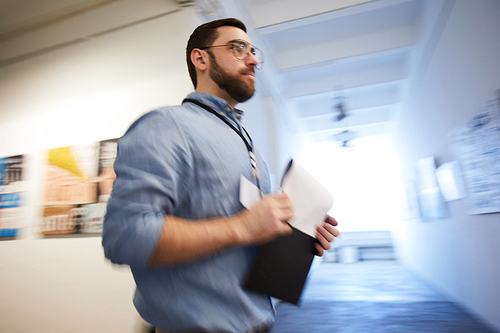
x,y
205,35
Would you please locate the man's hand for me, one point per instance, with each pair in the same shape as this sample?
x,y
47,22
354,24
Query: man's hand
x,y
267,219
325,234
183,240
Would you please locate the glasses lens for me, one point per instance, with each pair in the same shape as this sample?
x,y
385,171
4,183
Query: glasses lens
x,y
258,54
241,50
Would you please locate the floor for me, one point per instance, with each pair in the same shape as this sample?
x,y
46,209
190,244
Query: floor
x,y
371,296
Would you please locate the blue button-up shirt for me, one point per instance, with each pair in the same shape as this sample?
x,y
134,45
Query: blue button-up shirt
x,y
186,162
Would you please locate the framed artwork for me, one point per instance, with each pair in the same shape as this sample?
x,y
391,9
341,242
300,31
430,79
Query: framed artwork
x,y
78,181
12,188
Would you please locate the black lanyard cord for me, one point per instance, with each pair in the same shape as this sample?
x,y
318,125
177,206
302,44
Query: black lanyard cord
x,y
221,117
253,159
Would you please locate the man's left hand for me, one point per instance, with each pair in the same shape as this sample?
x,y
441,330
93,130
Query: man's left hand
x,y
325,234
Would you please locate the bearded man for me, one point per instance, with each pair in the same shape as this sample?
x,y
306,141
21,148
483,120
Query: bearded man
x,y
174,215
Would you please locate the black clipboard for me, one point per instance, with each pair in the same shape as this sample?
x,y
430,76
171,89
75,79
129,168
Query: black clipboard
x,y
281,266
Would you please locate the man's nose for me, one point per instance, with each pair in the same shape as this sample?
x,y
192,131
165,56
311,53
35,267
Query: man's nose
x,y
251,60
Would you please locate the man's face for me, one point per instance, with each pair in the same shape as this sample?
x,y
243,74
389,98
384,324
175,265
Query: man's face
x,y
235,77
237,88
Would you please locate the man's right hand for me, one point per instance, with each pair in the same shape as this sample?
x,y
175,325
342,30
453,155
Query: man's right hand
x,y
183,240
267,219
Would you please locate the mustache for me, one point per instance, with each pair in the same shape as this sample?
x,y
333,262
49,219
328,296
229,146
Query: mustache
x,y
247,70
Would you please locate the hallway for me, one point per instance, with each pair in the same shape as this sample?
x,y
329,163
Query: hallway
x,y
371,296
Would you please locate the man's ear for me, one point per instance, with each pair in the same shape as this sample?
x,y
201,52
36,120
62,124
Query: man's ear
x,y
199,59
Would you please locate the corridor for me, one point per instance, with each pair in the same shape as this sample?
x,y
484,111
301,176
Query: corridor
x,y
371,296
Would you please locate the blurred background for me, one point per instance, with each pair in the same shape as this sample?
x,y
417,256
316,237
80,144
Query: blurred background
x,y
391,104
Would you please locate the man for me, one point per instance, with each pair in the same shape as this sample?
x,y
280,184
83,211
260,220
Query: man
x,y
174,214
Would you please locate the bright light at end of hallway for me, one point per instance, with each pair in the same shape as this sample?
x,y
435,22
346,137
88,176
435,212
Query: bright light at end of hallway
x,y
364,181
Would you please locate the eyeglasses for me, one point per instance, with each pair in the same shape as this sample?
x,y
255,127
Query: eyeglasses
x,y
241,50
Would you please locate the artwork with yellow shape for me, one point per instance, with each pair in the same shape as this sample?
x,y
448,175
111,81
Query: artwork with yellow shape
x,y
69,175
78,181
63,157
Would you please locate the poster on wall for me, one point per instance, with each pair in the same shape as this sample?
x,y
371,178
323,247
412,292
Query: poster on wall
x,y
12,188
78,181
476,145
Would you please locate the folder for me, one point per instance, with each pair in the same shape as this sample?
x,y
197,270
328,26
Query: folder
x,y
281,266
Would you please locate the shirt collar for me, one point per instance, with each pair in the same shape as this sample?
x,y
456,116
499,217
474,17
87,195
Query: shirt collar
x,y
238,113
216,103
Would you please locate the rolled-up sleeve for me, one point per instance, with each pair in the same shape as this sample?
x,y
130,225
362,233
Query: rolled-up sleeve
x,y
152,171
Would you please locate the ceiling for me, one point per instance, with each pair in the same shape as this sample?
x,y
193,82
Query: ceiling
x,y
355,51
320,52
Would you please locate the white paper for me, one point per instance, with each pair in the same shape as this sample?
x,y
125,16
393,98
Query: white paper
x,y
311,200
249,193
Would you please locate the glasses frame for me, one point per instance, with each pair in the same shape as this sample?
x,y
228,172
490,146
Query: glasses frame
x,y
236,45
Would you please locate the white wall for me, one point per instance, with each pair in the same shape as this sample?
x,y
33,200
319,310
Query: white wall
x,y
78,94
460,254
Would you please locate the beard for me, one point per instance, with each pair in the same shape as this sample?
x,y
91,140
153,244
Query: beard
x,y
236,88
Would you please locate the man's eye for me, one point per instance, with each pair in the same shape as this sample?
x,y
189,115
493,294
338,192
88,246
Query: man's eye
x,y
252,51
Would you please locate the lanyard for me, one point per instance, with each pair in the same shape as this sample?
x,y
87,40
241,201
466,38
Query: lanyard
x,y
249,145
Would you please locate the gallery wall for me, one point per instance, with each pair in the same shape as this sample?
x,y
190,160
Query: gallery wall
x,y
90,91
459,253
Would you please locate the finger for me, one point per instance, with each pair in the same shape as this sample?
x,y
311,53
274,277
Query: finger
x,y
331,220
281,195
319,250
325,244
284,228
283,200
331,229
287,229
325,233
285,215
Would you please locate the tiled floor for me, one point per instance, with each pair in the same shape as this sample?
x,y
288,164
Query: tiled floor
x,y
371,296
